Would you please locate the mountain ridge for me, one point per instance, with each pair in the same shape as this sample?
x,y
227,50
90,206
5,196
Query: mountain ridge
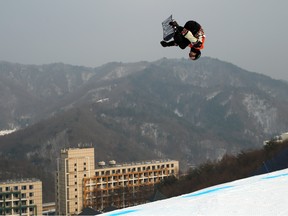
x,y
170,108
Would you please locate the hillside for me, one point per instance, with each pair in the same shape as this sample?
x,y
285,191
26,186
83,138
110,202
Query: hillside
x,y
263,195
270,158
171,108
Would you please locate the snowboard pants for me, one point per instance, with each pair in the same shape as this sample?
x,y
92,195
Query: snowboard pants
x,y
180,40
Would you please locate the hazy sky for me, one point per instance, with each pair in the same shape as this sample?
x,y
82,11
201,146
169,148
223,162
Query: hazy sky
x,y
252,34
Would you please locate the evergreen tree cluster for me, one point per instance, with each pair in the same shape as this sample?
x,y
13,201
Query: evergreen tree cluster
x,y
229,168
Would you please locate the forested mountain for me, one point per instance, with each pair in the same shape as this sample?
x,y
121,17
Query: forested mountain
x,y
170,108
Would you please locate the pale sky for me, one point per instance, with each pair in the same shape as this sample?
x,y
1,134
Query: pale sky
x,y
251,34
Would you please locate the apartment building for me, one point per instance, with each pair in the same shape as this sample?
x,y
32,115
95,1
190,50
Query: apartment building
x,y
79,184
21,197
73,166
125,185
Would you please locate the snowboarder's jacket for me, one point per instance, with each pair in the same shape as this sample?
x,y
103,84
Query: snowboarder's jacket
x,y
197,31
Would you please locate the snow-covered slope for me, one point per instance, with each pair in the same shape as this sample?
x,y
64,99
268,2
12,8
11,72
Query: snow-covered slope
x,y
259,195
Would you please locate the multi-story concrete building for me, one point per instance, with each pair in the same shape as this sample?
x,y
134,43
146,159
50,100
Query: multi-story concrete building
x,y
21,197
72,167
79,184
126,184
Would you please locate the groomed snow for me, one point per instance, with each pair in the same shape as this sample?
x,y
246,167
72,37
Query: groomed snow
x,y
259,195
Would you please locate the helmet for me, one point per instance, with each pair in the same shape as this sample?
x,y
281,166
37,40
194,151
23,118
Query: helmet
x,y
194,54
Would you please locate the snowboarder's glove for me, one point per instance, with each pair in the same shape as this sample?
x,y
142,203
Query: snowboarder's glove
x,y
198,44
173,23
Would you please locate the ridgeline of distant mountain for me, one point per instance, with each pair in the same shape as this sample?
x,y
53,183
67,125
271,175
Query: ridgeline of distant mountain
x,y
170,108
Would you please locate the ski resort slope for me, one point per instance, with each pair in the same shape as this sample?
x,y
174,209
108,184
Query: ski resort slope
x,y
259,195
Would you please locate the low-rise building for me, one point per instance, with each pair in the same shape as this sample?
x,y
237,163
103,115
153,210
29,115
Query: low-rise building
x,y
21,197
126,185
49,208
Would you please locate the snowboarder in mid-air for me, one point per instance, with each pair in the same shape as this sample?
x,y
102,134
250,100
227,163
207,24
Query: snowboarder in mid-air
x,y
191,35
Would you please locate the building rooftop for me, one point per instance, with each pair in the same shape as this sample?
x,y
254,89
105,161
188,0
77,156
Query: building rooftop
x,y
80,146
22,180
113,163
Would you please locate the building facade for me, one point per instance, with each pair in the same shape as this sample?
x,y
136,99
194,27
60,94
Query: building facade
x,y
80,185
72,167
126,184
21,197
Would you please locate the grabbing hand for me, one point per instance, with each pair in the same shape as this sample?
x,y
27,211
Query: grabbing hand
x,y
173,23
198,44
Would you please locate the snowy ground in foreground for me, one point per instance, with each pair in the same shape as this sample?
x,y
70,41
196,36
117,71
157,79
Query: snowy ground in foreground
x,y
259,195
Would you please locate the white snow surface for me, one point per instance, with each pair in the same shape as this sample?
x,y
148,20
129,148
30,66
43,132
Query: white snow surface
x,y
5,132
258,195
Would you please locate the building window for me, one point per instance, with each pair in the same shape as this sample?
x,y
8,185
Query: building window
x,y
23,187
7,188
15,188
31,187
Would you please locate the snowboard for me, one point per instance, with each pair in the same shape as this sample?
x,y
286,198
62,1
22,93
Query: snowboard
x,y
168,30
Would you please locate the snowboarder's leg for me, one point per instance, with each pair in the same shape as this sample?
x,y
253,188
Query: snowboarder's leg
x,y
181,41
